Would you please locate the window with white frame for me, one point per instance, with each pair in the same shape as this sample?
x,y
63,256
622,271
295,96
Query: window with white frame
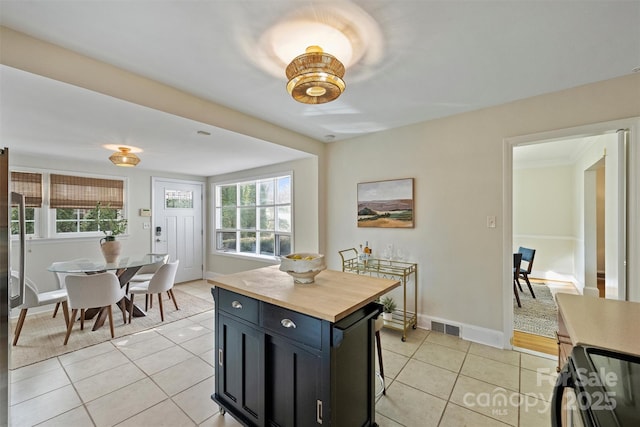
x,y
74,199
29,184
70,208
255,217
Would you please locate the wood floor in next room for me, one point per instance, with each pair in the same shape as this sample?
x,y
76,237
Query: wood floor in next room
x,y
539,343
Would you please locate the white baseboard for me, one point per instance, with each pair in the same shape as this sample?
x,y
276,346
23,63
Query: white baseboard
x,y
477,334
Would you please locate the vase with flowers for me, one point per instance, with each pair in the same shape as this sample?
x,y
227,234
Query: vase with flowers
x,y
109,221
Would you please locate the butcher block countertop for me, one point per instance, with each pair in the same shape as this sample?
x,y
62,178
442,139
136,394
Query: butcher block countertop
x,y
599,322
332,297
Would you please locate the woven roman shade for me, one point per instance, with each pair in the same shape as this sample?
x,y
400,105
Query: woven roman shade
x,y
28,184
79,192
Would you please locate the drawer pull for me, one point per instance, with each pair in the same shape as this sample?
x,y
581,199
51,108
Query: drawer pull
x,y
220,356
287,323
319,411
236,304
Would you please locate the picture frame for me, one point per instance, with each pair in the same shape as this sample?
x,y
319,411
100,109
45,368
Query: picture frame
x,y
386,204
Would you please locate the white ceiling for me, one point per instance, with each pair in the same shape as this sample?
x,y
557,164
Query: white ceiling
x,y
436,58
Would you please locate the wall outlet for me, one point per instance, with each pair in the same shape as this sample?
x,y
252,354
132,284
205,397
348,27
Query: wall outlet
x,y
146,225
491,221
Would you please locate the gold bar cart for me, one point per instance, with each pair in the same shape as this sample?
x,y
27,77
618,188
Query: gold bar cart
x,y
402,320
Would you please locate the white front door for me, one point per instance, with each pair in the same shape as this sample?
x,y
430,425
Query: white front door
x,y
177,225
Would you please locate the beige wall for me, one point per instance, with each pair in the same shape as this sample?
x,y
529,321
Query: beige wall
x,y
457,163
544,218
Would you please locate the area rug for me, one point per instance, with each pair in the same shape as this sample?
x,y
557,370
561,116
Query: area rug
x,y
536,316
42,336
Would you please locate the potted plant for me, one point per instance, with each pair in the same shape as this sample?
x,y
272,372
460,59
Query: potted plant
x,y
388,306
110,223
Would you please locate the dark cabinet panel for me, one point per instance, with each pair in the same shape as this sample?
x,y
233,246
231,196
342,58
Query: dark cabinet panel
x,y
240,378
293,385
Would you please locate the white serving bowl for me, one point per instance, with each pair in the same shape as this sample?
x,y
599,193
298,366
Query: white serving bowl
x,y
303,267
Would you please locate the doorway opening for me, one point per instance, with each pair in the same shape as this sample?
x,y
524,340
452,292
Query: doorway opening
x,y
560,188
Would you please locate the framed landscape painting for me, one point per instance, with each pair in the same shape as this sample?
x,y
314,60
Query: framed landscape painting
x,y
386,204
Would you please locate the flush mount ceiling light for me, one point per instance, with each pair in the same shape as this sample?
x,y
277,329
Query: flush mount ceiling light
x,y
315,77
124,157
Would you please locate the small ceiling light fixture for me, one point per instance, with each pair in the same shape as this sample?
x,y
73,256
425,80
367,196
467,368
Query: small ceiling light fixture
x,y
124,157
315,77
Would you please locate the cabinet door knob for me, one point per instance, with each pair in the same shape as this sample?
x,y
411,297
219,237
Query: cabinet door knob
x,y
236,304
287,323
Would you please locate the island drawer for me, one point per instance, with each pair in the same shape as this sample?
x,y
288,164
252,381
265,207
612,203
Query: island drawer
x,y
238,305
293,325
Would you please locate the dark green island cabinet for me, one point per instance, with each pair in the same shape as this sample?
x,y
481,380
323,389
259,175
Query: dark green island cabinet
x,y
296,355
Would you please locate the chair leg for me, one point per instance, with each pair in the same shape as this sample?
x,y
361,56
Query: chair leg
x,y
74,313
519,285
110,313
173,297
526,278
160,303
379,345
82,319
146,302
123,308
65,312
55,310
23,315
515,292
131,311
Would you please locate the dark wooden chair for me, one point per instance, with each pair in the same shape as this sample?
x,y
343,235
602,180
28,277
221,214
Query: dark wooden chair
x,y
517,260
527,256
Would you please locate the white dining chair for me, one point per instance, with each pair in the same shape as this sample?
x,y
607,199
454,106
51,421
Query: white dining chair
x,y
146,272
34,298
162,281
60,278
93,290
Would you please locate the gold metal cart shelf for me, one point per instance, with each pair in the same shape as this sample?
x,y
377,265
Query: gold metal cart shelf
x,y
388,269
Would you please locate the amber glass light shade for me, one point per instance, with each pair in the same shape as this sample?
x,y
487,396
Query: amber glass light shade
x,y
124,158
315,77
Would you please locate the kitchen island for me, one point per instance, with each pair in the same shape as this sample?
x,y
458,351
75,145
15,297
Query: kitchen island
x,y
296,354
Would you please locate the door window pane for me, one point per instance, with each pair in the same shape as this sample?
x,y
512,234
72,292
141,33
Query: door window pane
x,y
177,199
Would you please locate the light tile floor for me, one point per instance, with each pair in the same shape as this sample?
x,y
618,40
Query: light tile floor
x,y
164,377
